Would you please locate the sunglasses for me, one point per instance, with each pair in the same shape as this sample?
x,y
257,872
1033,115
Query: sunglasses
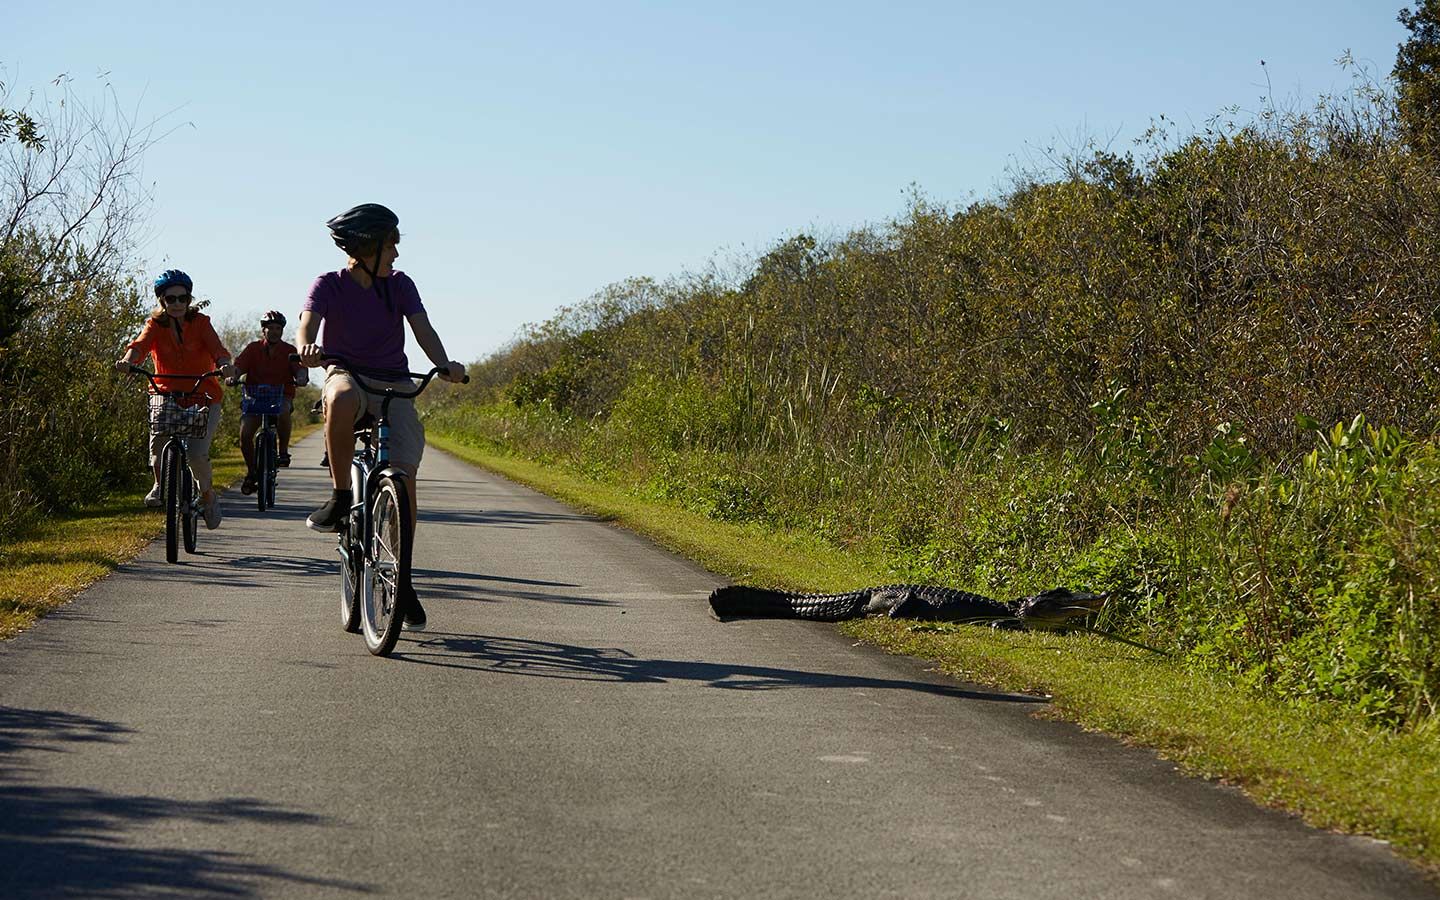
x,y
180,298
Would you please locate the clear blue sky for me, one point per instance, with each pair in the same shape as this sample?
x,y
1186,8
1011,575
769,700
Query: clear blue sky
x,y
537,152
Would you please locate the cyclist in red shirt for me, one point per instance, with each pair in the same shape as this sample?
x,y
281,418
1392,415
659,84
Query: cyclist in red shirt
x,y
267,361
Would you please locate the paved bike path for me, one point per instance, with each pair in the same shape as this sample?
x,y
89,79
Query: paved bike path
x,y
573,724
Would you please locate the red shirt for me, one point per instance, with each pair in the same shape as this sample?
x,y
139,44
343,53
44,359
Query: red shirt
x,y
265,363
194,350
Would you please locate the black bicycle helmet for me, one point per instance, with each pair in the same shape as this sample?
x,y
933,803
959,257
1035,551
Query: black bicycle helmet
x,y
170,278
275,316
365,224
357,231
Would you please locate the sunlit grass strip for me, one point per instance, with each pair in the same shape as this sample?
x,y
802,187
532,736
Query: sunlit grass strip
x,y
58,557
1331,767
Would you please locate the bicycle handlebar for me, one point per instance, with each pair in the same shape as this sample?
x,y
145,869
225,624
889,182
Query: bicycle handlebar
x,y
242,380
153,376
357,371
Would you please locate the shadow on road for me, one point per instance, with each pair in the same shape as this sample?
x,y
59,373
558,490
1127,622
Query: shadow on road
x,y
62,841
544,659
422,574
499,518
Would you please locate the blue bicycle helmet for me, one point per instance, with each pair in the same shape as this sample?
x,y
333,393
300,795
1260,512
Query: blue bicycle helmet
x,y
171,277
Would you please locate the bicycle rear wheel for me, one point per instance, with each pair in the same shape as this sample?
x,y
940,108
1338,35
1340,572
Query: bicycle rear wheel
x,y
189,515
258,454
388,565
170,481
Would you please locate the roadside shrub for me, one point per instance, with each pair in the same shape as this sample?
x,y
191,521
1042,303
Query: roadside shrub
x,y
1093,378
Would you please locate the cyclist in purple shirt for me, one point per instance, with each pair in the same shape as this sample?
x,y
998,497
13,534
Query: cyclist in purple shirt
x,y
360,313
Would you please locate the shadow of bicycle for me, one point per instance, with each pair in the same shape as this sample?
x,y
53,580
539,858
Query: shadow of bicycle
x,y
545,659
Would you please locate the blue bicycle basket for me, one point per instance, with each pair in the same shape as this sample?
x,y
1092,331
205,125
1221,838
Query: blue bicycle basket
x,y
262,400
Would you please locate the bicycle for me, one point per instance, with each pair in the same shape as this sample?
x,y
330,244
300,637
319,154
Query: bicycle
x,y
376,539
265,401
178,492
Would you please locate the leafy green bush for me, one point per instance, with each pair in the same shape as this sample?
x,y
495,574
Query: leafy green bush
x,y
1092,379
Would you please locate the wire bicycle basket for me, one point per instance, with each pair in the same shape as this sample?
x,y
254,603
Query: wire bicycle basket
x,y
262,400
170,418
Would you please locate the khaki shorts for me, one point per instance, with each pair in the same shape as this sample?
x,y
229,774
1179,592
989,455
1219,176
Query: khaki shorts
x,y
407,434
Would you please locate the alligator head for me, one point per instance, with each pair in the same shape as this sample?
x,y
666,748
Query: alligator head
x,y
1056,607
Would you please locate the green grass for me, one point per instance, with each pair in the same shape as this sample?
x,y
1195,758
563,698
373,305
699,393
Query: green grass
x,y
57,557
1334,768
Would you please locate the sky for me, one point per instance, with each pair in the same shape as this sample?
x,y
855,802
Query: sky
x,y
537,152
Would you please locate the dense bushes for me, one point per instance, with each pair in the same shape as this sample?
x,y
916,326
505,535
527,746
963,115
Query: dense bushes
x,y
1111,377
70,427
71,201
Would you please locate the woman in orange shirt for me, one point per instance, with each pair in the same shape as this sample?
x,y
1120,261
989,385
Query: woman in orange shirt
x,y
183,342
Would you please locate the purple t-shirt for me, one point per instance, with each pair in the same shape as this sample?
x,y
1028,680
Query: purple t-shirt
x,y
355,323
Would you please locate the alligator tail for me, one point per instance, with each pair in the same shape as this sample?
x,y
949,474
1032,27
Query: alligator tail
x,y
739,600
743,601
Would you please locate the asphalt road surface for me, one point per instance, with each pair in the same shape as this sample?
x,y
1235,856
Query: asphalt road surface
x,y
572,724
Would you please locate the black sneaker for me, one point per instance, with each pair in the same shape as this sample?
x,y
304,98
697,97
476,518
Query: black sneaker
x,y
414,612
331,516
282,460
325,461
249,485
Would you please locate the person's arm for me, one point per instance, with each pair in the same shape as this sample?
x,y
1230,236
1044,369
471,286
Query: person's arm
x,y
218,352
138,349
298,373
434,348
305,335
244,361
222,362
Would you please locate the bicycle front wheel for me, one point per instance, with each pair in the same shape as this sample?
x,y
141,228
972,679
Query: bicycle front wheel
x,y
388,566
189,513
170,480
352,566
270,468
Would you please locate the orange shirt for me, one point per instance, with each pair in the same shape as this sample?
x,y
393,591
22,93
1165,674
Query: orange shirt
x,y
265,363
196,349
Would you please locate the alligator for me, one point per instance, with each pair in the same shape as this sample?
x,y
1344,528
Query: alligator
x,y
1051,610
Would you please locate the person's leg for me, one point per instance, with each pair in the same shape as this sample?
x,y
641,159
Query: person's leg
x,y
318,409
407,446
157,443
413,472
197,451
282,428
248,426
415,618
344,403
